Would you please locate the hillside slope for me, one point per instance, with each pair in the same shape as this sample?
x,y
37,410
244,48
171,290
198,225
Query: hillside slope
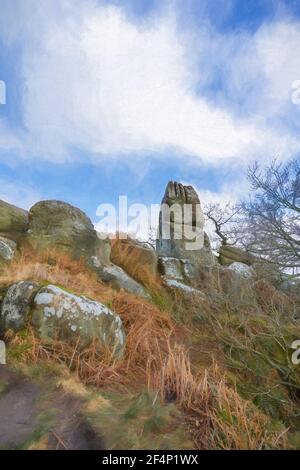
x,y
205,360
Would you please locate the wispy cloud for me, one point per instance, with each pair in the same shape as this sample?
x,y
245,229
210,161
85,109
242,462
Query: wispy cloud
x,y
20,195
104,83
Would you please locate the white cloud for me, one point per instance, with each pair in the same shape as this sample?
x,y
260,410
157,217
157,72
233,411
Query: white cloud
x,y
17,194
99,82
9,140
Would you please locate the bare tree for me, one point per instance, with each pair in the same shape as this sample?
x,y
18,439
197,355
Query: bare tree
x,y
225,220
273,215
152,238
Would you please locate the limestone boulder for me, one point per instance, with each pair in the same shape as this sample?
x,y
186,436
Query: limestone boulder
x,y
16,305
60,315
58,225
13,221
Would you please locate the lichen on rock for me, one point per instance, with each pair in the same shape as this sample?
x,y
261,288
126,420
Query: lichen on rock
x,y
16,305
61,315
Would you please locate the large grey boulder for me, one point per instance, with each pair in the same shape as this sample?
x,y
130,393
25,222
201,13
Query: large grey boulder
x,y
13,221
58,225
16,305
60,315
180,236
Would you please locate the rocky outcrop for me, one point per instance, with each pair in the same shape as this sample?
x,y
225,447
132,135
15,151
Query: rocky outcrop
x,y
58,225
16,305
13,221
179,276
60,315
231,254
182,246
181,231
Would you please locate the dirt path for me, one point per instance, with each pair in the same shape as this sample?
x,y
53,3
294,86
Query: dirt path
x,y
72,430
17,408
21,403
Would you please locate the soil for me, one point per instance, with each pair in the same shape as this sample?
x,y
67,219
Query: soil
x,y
18,410
21,402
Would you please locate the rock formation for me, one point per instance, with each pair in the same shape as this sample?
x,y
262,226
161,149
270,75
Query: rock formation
x,y
58,225
181,230
231,254
60,315
16,306
182,245
7,250
183,255
119,279
13,221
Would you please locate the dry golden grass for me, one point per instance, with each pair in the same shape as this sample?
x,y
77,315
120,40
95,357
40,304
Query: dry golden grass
x,y
238,424
56,268
271,299
125,254
147,327
217,416
148,331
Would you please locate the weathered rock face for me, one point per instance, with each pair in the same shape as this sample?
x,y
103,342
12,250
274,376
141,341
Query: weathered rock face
x,y
103,251
119,279
178,269
13,221
16,306
185,291
231,254
181,233
7,250
58,225
242,269
60,315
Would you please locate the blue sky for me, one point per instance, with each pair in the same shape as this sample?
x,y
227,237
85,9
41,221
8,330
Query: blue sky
x,y
106,98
